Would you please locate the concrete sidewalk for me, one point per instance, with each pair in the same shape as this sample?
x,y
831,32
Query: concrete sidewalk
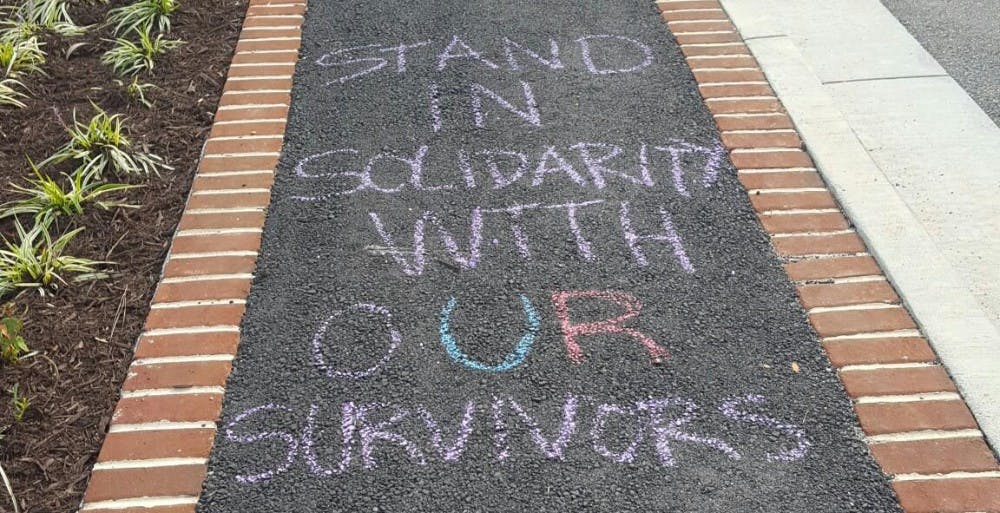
x,y
911,157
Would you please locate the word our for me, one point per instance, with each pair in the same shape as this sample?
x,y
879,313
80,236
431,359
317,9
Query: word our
x,y
572,332
584,166
375,428
412,260
597,54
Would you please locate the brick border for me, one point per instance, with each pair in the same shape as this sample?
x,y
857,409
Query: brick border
x,y
917,425
155,455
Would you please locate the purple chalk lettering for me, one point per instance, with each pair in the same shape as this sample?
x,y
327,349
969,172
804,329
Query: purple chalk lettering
x,y
710,170
415,164
676,166
665,431
520,237
401,53
669,235
417,172
499,179
379,63
582,244
499,430
584,42
370,433
551,449
466,166
435,108
802,443
598,171
627,455
348,428
464,51
552,62
454,450
561,166
468,260
289,439
395,339
413,266
530,115
300,166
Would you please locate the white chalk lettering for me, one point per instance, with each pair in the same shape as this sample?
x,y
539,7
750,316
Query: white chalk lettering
x,y
552,62
401,53
530,115
379,63
588,60
464,52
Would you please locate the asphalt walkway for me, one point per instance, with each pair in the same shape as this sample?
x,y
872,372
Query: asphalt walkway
x,y
508,266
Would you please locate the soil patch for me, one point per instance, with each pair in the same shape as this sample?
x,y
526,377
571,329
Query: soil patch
x,y
83,335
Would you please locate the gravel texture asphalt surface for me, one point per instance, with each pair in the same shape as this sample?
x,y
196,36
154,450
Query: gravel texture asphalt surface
x,y
963,35
405,348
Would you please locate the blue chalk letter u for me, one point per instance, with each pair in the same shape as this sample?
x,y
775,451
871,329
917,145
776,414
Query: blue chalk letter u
x,y
512,360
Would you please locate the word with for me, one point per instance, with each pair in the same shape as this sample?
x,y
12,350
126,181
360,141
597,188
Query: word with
x,y
560,300
506,167
364,60
413,261
415,431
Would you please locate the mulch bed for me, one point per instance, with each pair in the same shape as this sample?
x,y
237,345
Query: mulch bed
x,y
84,334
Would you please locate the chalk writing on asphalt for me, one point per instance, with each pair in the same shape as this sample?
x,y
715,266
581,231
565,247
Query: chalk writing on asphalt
x,y
428,433
426,439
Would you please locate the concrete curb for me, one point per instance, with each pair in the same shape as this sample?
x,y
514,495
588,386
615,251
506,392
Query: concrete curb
x,y
155,455
918,427
959,330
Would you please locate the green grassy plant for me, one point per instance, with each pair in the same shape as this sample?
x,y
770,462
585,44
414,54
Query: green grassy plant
x,y
136,91
21,56
18,402
35,261
45,196
129,58
10,490
12,344
100,146
144,13
9,95
52,15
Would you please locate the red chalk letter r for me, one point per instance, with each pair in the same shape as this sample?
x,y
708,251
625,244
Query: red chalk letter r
x,y
572,331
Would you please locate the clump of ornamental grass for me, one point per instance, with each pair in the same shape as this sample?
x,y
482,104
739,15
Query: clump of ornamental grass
x,y
22,56
17,30
9,94
35,261
45,197
12,344
136,91
144,13
100,146
51,15
129,58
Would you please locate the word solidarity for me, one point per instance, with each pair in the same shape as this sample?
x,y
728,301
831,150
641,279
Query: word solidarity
x,y
652,426
583,166
560,300
600,54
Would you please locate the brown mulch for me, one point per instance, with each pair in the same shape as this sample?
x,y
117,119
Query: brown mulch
x,y
83,335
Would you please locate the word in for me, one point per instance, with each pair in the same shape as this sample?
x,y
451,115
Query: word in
x,y
364,60
561,300
414,430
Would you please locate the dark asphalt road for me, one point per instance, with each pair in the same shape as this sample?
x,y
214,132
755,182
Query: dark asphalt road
x,y
964,37
494,278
